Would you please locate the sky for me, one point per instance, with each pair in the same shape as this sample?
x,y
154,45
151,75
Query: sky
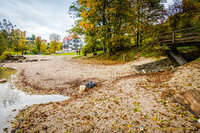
x,y
39,17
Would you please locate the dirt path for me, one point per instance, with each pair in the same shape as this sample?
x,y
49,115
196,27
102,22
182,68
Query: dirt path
x,y
123,102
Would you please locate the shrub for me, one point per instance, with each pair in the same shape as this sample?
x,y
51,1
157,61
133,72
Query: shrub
x,y
5,55
35,50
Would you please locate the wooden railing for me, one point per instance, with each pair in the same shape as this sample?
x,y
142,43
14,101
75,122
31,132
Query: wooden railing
x,y
189,36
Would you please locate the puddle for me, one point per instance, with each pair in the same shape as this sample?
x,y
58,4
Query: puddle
x,y
12,100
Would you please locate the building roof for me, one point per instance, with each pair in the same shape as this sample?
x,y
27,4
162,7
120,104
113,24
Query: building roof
x,y
70,37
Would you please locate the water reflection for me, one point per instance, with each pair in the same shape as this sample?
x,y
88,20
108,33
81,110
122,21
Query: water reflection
x,y
5,72
14,99
8,96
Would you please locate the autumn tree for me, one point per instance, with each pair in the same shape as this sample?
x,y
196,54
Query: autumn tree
x,y
22,44
6,30
184,14
113,23
43,47
38,42
54,46
54,42
2,43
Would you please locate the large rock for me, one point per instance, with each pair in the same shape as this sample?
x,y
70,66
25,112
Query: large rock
x,y
191,100
91,84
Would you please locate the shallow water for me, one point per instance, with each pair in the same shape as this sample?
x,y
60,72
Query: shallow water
x,y
12,100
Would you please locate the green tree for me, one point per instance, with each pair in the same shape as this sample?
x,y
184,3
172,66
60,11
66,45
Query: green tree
x,y
35,50
2,43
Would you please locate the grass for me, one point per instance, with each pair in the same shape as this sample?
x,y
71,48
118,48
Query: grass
x,y
150,54
188,49
128,55
198,59
73,53
77,57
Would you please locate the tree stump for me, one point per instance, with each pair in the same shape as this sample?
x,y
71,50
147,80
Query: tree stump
x,y
191,100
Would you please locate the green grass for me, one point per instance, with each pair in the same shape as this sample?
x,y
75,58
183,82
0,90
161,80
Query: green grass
x,y
187,48
73,53
16,53
76,57
150,54
198,59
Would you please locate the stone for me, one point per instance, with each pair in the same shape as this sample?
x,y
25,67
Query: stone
x,y
82,88
91,84
32,60
43,59
19,61
3,80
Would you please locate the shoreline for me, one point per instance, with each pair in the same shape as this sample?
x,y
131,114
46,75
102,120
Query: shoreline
x,y
122,103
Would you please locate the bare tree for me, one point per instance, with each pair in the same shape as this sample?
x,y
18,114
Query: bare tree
x,y
54,37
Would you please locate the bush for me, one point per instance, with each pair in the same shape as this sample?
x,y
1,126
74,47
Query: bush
x,y
5,55
35,50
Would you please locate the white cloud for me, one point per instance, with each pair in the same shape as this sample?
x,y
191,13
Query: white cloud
x,y
39,17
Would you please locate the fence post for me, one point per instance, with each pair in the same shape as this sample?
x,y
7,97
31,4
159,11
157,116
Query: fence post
x,y
173,37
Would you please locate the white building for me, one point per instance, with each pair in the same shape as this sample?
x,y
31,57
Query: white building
x,y
71,44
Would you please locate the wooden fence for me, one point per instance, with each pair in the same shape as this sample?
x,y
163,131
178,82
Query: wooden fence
x,y
183,37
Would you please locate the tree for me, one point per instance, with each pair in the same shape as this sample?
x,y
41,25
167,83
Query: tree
x,y
33,37
2,43
6,28
38,42
34,50
54,46
184,14
114,23
43,47
54,37
22,44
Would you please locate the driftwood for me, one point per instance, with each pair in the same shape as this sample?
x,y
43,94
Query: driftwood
x,y
191,100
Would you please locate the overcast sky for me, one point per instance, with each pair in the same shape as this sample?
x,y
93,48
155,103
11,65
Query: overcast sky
x,y
39,17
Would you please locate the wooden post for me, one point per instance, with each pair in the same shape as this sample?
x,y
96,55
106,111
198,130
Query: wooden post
x,y
173,37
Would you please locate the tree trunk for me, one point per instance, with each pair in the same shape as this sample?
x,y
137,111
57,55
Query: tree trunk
x,y
104,24
190,100
138,34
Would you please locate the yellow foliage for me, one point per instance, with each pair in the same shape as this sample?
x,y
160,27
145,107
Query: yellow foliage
x,y
43,47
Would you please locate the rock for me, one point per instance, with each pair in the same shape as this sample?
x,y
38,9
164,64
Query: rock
x,y
19,61
82,89
15,58
191,100
5,129
91,84
9,61
32,60
3,80
43,59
